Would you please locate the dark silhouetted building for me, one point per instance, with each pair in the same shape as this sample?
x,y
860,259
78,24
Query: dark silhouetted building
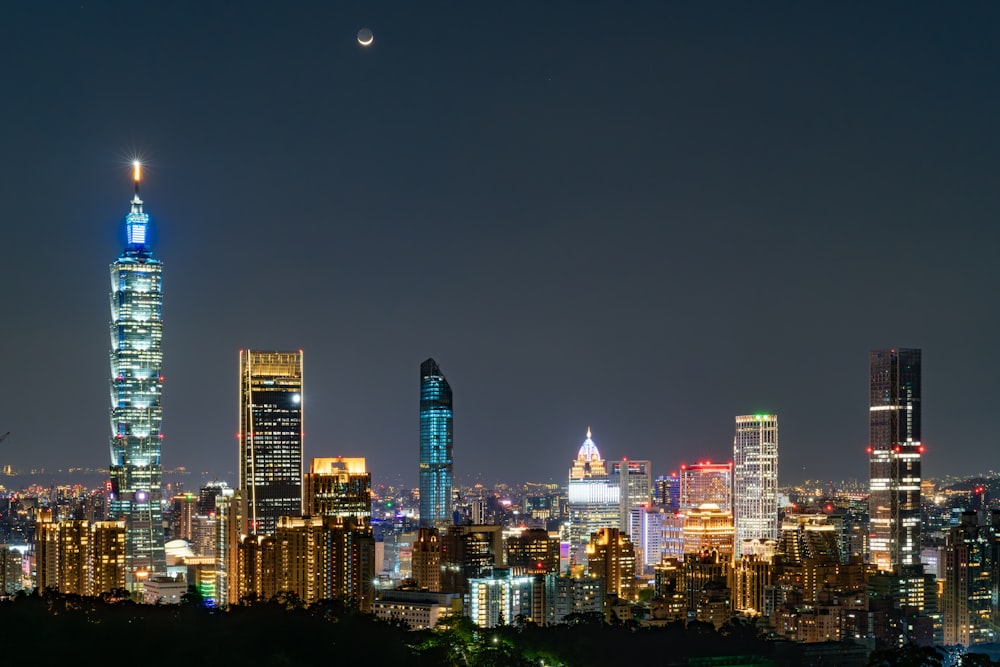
x,y
894,450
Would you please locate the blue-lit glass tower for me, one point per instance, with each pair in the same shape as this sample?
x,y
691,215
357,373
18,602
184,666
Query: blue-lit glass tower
x,y
435,447
136,384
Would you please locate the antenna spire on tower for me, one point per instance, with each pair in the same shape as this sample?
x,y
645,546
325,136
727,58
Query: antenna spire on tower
x,y
136,174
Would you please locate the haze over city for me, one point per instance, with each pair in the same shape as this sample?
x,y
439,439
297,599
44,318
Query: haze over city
x,y
588,214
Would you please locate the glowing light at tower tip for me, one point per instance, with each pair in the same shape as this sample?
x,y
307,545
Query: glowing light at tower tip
x,y
136,171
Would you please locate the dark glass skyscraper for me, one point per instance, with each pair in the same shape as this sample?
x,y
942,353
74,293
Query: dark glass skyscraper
x,y
271,436
435,447
894,450
136,384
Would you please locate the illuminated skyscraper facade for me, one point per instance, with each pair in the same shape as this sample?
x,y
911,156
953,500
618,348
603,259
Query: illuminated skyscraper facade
x,y
339,487
706,482
894,450
136,385
755,479
593,499
271,436
436,464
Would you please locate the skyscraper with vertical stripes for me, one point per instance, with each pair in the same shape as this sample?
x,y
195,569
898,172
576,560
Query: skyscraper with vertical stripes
x,y
755,479
136,385
436,419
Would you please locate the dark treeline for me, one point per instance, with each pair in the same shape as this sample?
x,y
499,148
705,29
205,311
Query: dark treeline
x,y
54,628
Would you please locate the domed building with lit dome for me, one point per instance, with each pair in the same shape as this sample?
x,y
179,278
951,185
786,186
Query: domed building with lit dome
x,y
593,499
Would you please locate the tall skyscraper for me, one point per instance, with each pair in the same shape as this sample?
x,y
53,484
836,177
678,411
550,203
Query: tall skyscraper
x,y
271,436
136,385
755,479
894,450
435,447
593,500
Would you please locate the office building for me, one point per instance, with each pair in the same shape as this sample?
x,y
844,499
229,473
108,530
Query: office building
x,y
271,436
469,552
647,537
594,501
635,484
706,482
436,441
894,450
667,491
207,495
136,387
755,479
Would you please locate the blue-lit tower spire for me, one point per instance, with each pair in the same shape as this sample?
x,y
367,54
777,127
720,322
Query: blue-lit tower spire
x,y
136,384
435,447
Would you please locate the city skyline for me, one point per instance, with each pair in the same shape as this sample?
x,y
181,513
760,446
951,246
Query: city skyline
x,y
648,235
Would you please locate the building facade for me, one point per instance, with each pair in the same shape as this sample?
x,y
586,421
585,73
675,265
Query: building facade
x,y
755,479
80,557
436,441
271,436
339,487
706,482
136,386
894,450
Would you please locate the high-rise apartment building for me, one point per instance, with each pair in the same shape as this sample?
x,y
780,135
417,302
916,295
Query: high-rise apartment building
x,y
230,526
80,557
271,436
894,450
339,487
136,386
707,482
610,555
971,558
436,440
755,479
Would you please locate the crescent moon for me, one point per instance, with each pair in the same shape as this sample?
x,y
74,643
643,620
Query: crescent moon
x,y
364,43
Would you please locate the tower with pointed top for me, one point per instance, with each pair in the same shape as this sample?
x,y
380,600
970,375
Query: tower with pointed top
x,y
436,465
136,386
592,499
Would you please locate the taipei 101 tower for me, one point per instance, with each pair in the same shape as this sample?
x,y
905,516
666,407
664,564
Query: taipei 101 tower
x,y
136,385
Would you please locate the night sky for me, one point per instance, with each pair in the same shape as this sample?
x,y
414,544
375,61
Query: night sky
x,y
642,217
